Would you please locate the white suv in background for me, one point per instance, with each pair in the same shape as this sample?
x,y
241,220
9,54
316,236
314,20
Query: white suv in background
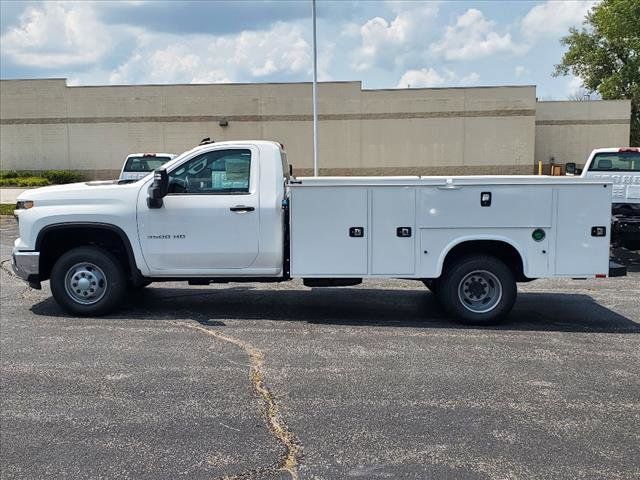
x,y
139,165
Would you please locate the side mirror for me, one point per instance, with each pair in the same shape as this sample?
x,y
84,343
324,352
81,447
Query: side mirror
x,y
570,168
158,189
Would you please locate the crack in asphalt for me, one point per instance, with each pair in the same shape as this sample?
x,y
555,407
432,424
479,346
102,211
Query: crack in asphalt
x,y
289,461
9,271
26,288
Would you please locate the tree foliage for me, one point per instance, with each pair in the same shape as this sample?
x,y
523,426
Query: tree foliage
x,y
605,54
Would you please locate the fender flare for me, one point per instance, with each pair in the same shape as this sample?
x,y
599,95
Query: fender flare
x,y
135,271
479,238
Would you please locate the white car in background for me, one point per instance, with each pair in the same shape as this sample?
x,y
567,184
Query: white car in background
x,y
139,165
621,167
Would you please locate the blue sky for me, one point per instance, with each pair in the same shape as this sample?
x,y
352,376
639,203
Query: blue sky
x,y
385,44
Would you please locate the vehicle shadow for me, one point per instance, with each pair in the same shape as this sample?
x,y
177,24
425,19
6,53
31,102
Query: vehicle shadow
x,y
357,306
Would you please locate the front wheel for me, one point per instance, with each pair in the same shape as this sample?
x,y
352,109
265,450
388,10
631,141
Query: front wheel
x,y
478,290
88,281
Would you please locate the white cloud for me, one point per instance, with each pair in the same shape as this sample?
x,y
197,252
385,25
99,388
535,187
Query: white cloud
x,y
56,35
425,77
429,77
249,55
385,42
471,79
325,58
173,64
553,18
64,35
574,86
472,37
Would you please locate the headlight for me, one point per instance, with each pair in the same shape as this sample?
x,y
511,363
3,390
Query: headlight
x,y
24,204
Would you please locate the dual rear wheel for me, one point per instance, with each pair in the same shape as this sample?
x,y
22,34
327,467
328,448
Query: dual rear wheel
x,y
476,289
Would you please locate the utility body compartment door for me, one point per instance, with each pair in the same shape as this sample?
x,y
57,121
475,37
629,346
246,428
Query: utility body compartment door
x,y
578,252
329,231
393,231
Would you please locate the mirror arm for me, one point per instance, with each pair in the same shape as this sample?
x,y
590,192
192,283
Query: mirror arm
x,y
158,189
154,202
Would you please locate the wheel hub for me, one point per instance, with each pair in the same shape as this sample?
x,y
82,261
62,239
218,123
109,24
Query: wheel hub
x,y
476,287
480,291
85,283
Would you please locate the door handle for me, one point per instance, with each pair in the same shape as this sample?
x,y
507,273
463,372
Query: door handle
x,y
242,208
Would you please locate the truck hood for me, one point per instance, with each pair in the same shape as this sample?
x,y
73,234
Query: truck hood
x,y
83,192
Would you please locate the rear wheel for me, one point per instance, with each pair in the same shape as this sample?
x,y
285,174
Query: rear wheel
x,y
478,290
88,281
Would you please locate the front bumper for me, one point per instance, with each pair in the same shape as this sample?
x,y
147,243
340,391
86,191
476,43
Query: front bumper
x,y
26,265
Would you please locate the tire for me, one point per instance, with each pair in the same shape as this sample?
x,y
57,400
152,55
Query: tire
x,y
477,290
88,282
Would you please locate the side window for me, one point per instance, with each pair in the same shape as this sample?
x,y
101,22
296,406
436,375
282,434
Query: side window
x,y
214,173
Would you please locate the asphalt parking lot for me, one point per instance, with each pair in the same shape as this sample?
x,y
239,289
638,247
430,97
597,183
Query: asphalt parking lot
x,y
281,381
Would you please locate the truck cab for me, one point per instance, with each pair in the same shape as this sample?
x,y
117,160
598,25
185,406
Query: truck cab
x,y
222,213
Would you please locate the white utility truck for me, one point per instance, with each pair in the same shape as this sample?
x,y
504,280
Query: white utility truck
x,y
231,212
621,166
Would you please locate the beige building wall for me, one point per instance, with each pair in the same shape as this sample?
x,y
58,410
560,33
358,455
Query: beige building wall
x,y
45,124
567,131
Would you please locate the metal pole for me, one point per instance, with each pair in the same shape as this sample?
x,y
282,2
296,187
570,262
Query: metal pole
x,y
315,97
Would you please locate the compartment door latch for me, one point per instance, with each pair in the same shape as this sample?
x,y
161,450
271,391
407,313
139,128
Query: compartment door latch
x,y
356,232
403,232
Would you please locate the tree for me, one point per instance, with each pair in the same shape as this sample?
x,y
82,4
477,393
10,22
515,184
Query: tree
x,y
606,55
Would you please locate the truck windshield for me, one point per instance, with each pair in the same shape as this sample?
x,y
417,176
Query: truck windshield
x,y
616,162
144,164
